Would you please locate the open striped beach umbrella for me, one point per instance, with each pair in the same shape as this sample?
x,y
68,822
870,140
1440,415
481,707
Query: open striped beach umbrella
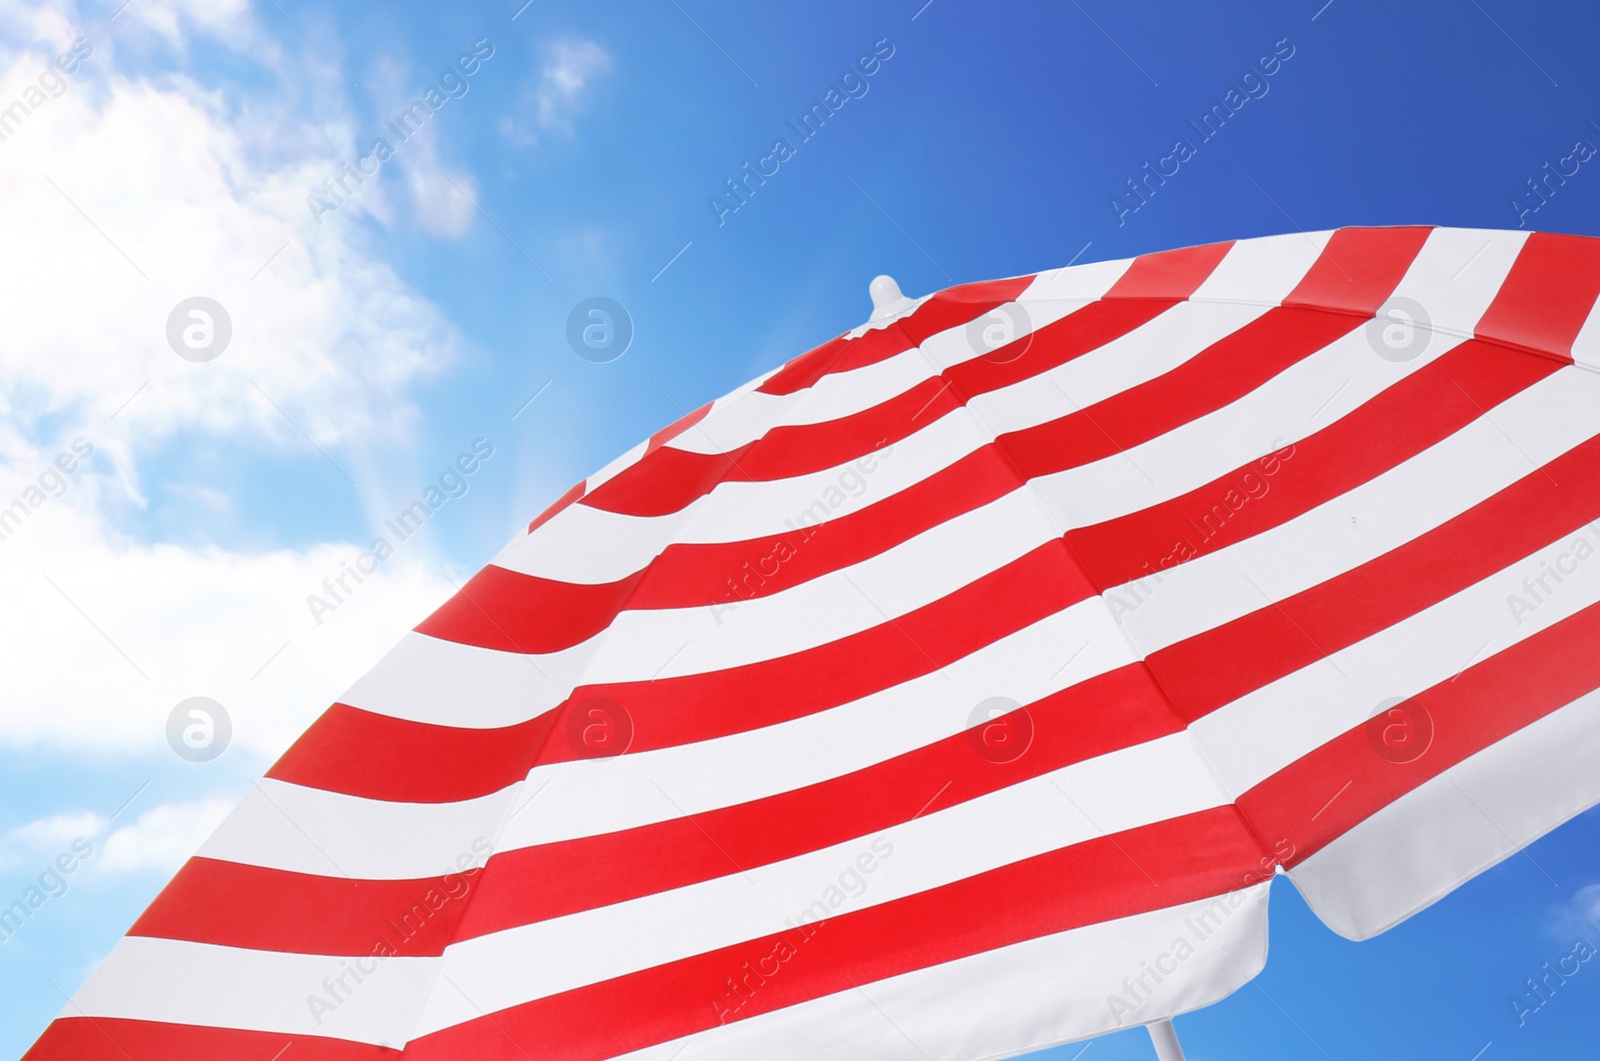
x,y
952,691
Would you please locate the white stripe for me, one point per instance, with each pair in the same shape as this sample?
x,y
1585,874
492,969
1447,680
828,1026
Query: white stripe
x,y
583,544
1454,826
447,683
1402,504
1261,732
329,834
1262,272
1012,1000
1081,802
1485,457
225,987
1292,405
641,645
589,545
1586,347
841,394
591,797
333,834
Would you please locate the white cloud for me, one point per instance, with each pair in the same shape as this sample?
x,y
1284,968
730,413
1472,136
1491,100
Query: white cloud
x,y
162,838
567,66
49,836
443,200
120,197
111,633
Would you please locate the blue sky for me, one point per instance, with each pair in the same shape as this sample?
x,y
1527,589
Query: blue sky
x,y
374,342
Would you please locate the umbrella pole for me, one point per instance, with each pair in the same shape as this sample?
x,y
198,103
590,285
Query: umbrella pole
x,y
1165,1039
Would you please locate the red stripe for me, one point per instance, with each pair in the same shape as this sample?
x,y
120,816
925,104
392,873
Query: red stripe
x,y
381,757
669,479
1400,422
572,494
510,611
533,884
1193,857
948,308
233,905
1230,368
1173,274
1358,269
1484,704
513,612
1281,638
1038,584
1546,297
119,1039
767,692
676,428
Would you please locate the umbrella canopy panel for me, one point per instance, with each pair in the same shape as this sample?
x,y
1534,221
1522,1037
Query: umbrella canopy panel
x,y
955,690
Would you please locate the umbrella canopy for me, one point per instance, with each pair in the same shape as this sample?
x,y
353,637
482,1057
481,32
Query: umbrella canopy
x,y
952,691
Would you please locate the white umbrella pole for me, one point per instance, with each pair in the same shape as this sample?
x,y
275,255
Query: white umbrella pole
x,y
1165,1039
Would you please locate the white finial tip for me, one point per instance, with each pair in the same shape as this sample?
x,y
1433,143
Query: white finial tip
x,y
886,296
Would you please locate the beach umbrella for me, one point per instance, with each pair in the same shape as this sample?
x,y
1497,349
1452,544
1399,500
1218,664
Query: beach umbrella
x,y
954,690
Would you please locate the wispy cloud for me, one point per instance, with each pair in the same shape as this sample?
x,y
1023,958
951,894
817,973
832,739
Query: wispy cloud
x,y
162,838
567,67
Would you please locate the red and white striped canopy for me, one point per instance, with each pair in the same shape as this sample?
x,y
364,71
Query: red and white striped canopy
x,y
954,690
